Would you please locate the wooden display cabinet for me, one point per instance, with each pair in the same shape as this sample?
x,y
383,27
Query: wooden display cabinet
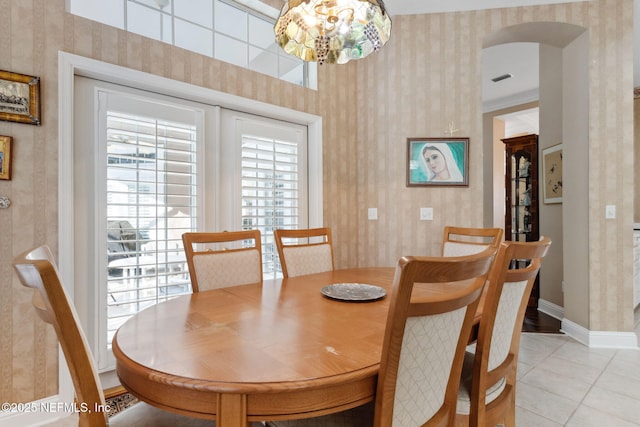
x,y
521,191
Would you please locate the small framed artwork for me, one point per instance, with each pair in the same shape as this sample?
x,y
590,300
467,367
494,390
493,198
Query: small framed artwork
x,y
437,162
5,157
552,174
19,98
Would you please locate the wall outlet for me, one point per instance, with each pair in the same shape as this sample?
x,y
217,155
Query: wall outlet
x,y
426,214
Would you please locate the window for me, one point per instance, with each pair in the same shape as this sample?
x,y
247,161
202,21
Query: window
x,y
226,30
148,168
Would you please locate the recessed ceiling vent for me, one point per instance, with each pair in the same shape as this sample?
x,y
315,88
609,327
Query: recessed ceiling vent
x,y
502,77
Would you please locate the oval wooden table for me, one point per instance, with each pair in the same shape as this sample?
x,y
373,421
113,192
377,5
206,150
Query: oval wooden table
x,y
277,350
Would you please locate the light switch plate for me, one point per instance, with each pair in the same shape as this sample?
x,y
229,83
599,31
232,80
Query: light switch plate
x,y
610,212
373,214
426,214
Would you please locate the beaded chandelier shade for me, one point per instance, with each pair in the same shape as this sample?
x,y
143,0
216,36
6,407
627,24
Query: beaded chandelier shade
x,y
332,31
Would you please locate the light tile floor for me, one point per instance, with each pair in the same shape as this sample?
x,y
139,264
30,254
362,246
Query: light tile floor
x,y
564,383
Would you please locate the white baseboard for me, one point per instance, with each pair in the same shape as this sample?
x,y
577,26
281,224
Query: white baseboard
x,y
600,339
551,309
35,413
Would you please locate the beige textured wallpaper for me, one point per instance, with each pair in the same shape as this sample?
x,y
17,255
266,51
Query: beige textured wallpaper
x,y
427,76
636,144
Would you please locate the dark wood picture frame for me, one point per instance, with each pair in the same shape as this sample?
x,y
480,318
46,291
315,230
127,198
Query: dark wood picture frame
x,y
19,98
447,163
5,157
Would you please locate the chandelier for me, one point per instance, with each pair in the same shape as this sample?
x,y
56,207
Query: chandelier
x,y
332,31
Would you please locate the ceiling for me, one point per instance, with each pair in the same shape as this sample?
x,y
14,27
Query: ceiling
x,y
518,59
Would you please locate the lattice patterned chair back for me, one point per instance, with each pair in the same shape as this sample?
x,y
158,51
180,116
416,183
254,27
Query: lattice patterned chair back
x,y
305,251
460,241
223,259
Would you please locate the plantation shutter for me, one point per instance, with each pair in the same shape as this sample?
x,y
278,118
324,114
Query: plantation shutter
x,y
273,180
151,188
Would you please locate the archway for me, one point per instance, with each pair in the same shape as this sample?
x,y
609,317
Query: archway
x,y
563,53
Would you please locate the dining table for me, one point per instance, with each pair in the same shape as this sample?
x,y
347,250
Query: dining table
x,y
275,350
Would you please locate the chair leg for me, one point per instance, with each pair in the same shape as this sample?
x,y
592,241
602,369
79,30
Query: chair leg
x,y
461,420
510,416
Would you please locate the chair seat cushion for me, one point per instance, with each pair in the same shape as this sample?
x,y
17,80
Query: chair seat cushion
x,y
464,392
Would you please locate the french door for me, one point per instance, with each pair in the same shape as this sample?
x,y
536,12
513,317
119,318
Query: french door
x,y
149,167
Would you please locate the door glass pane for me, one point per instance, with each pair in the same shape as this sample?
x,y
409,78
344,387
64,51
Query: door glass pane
x,y
150,197
270,192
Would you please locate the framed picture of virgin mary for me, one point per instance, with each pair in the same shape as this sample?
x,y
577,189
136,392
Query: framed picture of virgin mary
x,y
437,162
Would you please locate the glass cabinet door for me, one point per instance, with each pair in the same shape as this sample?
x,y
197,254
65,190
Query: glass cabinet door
x,y
521,191
521,221
521,200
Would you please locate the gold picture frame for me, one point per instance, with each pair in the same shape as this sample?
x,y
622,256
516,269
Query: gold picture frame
x,y
19,98
5,157
552,174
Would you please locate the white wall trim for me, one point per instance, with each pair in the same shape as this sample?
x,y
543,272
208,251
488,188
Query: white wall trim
x,y
575,331
600,339
550,309
612,339
511,100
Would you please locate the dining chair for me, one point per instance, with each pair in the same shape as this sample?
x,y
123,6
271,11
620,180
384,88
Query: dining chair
x,y
304,251
37,269
428,323
488,383
459,241
222,259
